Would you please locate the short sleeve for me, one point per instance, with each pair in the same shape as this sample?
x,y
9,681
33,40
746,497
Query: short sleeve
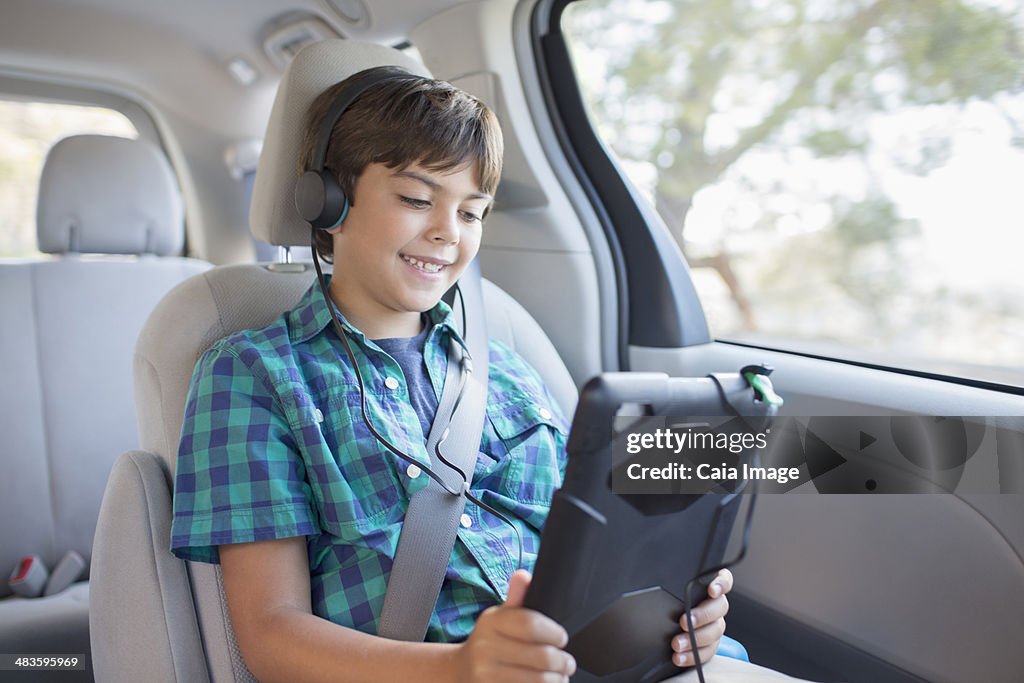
x,y
529,421
239,475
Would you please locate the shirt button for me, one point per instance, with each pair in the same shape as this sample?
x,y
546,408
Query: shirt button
x,y
465,521
318,415
391,383
412,471
545,413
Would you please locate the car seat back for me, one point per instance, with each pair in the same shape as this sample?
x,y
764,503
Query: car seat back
x,y
110,214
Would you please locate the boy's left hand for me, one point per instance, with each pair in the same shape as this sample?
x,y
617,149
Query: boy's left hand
x,y
708,623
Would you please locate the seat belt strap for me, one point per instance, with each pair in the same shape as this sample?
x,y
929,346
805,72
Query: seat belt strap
x,y
432,520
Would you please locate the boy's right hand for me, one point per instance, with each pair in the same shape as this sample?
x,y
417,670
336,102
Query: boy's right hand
x,y
511,643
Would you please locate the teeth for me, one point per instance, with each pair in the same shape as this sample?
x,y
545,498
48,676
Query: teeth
x,y
428,267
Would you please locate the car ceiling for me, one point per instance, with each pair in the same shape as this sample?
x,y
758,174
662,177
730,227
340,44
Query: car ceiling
x,y
175,54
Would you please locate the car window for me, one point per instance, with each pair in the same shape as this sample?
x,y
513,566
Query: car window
x,y
842,176
27,131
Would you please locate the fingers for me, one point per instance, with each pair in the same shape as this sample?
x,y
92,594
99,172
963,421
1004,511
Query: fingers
x,y
492,670
686,658
527,626
706,636
721,584
708,623
513,643
706,612
535,658
517,585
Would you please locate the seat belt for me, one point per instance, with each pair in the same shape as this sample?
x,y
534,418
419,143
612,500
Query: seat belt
x,y
432,520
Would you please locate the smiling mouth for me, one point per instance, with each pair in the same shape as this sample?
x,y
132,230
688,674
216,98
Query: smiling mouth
x,y
423,265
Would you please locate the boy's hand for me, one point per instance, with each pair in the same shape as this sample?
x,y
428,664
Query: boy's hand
x,y
511,643
708,623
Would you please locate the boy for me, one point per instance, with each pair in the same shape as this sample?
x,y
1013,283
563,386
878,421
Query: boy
x,y
279,477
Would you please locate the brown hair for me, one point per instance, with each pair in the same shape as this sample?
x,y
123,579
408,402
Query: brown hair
x,y
401,122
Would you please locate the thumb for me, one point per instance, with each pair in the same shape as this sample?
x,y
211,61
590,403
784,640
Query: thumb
x,y
517,585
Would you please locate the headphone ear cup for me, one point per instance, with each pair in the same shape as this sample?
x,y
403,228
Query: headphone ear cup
x,y
320,200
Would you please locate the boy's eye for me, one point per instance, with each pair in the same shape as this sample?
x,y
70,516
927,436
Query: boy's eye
x,y
470,217
415,203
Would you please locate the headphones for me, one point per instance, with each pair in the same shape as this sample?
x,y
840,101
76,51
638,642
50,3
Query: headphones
x,y
319,198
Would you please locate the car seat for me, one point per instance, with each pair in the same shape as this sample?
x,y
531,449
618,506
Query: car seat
x,y
110,213
154,617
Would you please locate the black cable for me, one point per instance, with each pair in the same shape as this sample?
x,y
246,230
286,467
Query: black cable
x,y
362,390
744,545
462,307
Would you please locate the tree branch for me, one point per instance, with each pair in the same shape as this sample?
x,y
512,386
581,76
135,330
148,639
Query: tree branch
x,y
858,25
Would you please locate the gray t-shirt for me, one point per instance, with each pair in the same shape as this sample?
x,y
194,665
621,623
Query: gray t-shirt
x,y
408,352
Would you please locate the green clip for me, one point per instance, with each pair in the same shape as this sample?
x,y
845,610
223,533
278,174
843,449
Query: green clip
x,y
763,386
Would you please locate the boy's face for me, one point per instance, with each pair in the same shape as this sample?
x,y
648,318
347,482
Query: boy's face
x,y
407,238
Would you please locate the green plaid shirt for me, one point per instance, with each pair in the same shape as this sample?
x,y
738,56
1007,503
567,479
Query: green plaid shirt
x,y
273,445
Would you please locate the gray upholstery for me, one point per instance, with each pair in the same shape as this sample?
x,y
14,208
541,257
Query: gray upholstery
x,y
66,409
188,320
197,313
31,625
108,195
191,317
510,323
69,331
273,217
141,602
64,616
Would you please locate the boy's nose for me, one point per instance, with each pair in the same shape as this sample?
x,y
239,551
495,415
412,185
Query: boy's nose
x,y
445,230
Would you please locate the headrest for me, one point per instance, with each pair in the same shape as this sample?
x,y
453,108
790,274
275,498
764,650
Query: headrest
x,y
107,195
273,217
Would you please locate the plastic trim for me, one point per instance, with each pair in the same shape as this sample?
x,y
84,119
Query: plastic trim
x,y
659,304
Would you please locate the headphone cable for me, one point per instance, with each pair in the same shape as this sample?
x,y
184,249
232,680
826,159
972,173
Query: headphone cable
x,y
467,367
755,461
745,543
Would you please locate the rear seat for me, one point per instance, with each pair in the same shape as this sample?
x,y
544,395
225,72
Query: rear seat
x,y
69,328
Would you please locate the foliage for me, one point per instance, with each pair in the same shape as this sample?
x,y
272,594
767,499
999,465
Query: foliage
x,y
817,66
694,87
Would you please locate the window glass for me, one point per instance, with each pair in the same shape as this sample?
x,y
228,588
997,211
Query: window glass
x,y
843,176
27,131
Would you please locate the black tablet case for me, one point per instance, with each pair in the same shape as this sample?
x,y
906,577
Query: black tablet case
x,y
613,569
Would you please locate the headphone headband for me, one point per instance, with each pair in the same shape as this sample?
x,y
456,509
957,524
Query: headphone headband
x,y
344,100
319,198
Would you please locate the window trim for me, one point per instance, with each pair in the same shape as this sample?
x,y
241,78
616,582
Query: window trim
x,y
910,372
13,85
659,306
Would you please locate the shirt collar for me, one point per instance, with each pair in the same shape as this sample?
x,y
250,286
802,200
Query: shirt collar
x,y
311,316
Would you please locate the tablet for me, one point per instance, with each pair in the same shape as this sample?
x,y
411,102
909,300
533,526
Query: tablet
x,y
615,562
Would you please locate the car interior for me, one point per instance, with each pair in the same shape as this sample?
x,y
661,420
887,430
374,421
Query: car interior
x,y
148,239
